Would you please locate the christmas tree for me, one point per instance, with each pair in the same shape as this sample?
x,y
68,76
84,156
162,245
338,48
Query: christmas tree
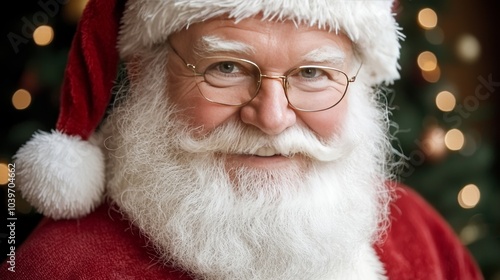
x,y
444,110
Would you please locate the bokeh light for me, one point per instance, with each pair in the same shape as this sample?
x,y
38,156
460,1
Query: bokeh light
x,y
446,101
21,99
471,145
454,139
471,233
468,48
469,196
4,174
432,76
427,61
73,10
433,142
435,36
427,18
43,35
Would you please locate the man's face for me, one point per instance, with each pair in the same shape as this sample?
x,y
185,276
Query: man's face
x,y
260,191
275,48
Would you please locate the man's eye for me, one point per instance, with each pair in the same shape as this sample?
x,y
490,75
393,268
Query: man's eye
x,y
310,73
225,67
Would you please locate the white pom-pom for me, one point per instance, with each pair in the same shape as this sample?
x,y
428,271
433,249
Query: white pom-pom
x,y
62,176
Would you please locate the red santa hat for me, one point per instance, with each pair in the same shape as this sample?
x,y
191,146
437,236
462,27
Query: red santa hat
x,y
62,173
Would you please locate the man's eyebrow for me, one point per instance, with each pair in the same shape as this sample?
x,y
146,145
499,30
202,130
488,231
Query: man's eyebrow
x,y
209,45
330,55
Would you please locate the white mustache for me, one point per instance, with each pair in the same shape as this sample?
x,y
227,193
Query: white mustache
x,y
235,138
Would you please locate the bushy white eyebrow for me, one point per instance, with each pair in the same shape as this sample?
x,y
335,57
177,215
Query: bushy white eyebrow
x,y
326,54
208,45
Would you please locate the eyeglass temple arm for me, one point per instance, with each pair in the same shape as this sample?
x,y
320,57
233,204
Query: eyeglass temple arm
x,y
353,78
188,65
192,67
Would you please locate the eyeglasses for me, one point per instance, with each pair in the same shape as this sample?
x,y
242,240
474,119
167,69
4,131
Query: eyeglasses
x,y
235,82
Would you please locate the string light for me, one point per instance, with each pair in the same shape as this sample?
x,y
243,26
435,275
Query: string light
x,y
469,196
470,234
435,36
73,10
21,99
433,142
4,174
470,146
432,76
427,18
446,101
43,35
468,48
427,61
454,139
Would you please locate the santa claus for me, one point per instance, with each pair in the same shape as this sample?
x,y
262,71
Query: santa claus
x,y
244,140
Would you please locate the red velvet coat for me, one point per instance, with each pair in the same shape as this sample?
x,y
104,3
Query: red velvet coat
x,y
420,245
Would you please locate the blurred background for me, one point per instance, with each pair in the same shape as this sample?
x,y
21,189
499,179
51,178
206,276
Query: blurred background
x,y
446,106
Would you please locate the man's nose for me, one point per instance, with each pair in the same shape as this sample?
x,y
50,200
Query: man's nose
x,y
269,110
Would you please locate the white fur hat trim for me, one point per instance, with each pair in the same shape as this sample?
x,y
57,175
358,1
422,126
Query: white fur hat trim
x,y
370,24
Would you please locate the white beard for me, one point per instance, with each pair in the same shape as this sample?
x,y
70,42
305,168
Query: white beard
x,y
318,222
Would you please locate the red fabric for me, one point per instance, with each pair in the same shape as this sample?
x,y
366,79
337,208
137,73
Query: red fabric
x,y
419,245
100,246
91,69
